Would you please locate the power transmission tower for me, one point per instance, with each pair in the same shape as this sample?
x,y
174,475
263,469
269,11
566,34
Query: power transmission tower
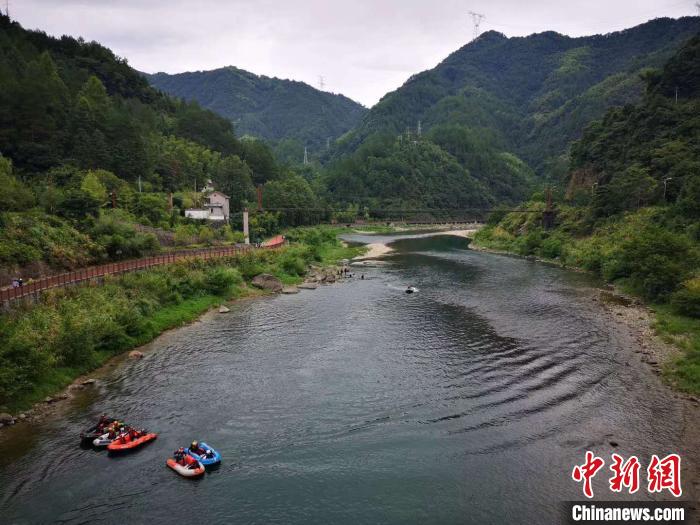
x,y
7,8
419,129
328,143
697,4
306,156
476,20
321,82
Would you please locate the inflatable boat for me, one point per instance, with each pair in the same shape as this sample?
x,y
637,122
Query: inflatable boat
x,y
211,458
103,440
97,430
125,442
188,466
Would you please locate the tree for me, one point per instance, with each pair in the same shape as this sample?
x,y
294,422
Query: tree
x,y
14,195
92,185
295,199
232,176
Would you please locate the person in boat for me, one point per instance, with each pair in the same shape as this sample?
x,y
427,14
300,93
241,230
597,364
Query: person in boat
x,y
179,455
103,423
196,449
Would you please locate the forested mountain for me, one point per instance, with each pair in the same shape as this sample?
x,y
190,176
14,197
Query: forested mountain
x,y
89,151
533,94
647,153
269,108
631,210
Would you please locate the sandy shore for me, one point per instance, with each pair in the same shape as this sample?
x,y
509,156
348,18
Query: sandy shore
x,y
376,250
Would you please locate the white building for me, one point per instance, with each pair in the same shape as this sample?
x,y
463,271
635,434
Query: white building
x,y
216,206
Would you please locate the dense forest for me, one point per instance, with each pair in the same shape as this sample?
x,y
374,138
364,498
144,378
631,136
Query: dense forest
x,y
272,109
630,211
90,153
533,94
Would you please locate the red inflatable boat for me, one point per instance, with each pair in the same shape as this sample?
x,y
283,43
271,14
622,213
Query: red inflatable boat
x,y
187,466
131,440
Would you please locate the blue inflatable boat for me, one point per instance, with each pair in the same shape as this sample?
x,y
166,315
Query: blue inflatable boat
x,y
211,458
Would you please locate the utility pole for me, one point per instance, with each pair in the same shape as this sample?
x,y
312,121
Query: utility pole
x,y
259,190
419,130
476,20
676,94
246,229
306,156
328,143
139,183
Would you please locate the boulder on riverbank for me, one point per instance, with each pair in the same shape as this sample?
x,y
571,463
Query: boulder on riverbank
x,y
6,419
268,282
290,289
308,286
135,354
223,309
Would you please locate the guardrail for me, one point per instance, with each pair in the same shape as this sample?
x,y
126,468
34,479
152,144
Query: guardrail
x,y
93,272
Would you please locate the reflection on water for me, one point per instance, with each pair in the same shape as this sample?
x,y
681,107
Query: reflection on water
x,y
468,402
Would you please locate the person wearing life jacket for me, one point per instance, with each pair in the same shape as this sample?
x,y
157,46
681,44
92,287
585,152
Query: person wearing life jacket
x,y
179,455
195,449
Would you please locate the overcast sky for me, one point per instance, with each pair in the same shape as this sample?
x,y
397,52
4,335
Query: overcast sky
x,y
363,48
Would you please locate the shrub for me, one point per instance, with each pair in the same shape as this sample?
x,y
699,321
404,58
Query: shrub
x,y
654,259
221,280
686,300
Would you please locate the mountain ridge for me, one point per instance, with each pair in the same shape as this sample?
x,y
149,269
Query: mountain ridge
x,y
267,107
543,88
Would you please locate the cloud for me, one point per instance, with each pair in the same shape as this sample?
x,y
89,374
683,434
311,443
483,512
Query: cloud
x,y
363,48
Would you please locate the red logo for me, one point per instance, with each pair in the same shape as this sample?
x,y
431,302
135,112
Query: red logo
x,y
587,471
665,474
662,474
626,474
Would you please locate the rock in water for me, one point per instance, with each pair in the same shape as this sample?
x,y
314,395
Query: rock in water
x,y
6,419
290,289
268,282
135,354
223,309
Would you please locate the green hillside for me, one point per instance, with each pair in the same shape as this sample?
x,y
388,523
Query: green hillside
x,y
269,108
535,93
90,153
631,209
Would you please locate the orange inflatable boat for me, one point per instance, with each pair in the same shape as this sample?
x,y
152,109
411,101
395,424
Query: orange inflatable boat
x,y
131,440
187,466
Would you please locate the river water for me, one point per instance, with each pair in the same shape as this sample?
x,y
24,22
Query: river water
x,y
467,402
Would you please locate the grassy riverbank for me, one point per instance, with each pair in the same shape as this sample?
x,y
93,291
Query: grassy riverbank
x,y
71,331
646,253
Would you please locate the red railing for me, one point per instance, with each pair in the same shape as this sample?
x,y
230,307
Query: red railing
x,y
93,272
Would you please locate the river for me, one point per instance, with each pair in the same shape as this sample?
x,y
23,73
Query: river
x,y
467,402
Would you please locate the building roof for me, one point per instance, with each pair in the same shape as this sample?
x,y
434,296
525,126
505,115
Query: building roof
x,y
219,193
